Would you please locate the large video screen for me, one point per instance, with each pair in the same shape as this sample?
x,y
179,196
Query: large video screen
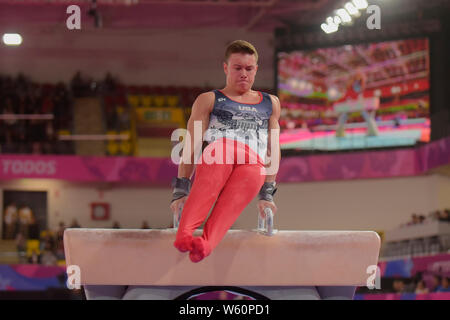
x,y
372,95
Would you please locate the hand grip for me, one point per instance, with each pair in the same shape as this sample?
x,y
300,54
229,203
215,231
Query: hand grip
x,y
177,218
265,225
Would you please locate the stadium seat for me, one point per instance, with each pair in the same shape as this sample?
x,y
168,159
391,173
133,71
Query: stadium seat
x,y
134,100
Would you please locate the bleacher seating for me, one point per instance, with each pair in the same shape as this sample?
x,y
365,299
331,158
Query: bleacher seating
x,y
49,104
429,237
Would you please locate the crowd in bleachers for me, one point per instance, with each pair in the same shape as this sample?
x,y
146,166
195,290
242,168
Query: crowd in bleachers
x,y
437,215
419,245
32,115
34,242
46,247
37,118
420,283
423,246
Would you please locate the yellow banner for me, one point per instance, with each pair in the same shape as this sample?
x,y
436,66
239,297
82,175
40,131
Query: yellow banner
x,y
160,115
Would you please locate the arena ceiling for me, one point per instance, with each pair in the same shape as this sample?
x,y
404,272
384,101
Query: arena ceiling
x,y
251,15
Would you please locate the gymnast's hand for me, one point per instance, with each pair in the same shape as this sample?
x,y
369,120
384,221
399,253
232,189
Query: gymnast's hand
x,y
178,204
262,204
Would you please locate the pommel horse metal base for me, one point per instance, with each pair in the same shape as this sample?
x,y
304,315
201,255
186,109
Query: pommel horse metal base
x,y
143,264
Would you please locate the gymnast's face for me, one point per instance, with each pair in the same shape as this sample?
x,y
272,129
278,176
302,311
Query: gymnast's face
x,y
241,71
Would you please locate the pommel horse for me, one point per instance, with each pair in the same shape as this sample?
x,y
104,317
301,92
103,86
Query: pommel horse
x,y
266,264
367,107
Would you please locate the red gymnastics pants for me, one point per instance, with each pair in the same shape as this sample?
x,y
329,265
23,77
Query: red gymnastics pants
x,y
232,182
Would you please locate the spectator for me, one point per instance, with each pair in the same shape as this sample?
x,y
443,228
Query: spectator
x,y
421,288
109,83
77,85
398,286
59,252
25,219
436,281
48,258
60,231
82,86
123,118
34,259
47,236
410,287
10,219
444,216
21,244
444,285
415,219
75,224
145,225
33,250
436,215
9,146
60,241
421,219
116,225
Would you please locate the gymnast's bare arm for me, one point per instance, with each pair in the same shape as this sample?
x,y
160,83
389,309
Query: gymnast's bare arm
x,y
201,110
273,124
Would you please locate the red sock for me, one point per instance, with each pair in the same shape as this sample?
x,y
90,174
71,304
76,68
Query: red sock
x,y
200,249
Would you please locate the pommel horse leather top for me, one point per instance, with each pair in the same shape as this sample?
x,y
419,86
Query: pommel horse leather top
x,y
289,258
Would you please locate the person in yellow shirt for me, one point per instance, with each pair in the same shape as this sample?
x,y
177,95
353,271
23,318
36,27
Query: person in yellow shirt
x,y
33,240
